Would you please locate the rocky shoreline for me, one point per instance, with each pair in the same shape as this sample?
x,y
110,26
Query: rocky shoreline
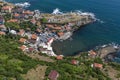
x,y
44,28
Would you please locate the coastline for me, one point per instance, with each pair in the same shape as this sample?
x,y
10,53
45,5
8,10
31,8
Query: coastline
x,y
29,51
64,25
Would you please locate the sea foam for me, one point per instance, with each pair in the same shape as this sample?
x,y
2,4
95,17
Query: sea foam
x,y
57,11
25,4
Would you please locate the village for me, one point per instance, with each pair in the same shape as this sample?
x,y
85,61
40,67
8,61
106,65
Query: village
x,y
38,30
47,27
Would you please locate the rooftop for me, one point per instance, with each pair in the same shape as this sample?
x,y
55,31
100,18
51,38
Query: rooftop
x,y
53,75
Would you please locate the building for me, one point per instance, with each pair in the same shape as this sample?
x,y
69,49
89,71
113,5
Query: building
x,y
38,30
18,10
16,16
50,41
34,37
31,49
60,34
59,57
22,40
28,13
13,32
2,27
6,9
2,33
92,53
21,32
1,20
75,62
97,65
1,3
13,20
33,21
53,75
23,48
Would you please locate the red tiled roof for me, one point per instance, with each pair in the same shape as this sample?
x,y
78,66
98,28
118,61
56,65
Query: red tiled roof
x,y
28,12
53,75
21,32
34,36
97,65
22,40
59,57
91,52
2,26
12,20
60,34
49,25
6,7
74,62
23,47
16,15
2,33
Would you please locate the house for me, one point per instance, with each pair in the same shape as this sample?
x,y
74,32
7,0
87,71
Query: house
x,y
33,21
16,16
49,25
2,33
97,65
60,34
31,41
22,40
23,48
57,28
68,28
34,37
28,12
92,53
18,10
31,49
21,32
13,32
1,20
6,9
53,75
38,30
2,27
75,62
59,57
1,3
13,20
50,41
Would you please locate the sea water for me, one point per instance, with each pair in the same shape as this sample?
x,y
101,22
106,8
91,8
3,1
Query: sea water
x,y
104,31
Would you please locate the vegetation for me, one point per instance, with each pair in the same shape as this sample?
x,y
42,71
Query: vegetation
x,y
7,16
13,62
82,71
27,24
43,20
12,25
115,65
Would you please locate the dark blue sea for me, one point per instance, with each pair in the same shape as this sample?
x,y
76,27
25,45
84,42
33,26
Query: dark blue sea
x,y
101,32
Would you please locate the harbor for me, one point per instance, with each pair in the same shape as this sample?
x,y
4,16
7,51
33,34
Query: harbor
x,y
41,29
